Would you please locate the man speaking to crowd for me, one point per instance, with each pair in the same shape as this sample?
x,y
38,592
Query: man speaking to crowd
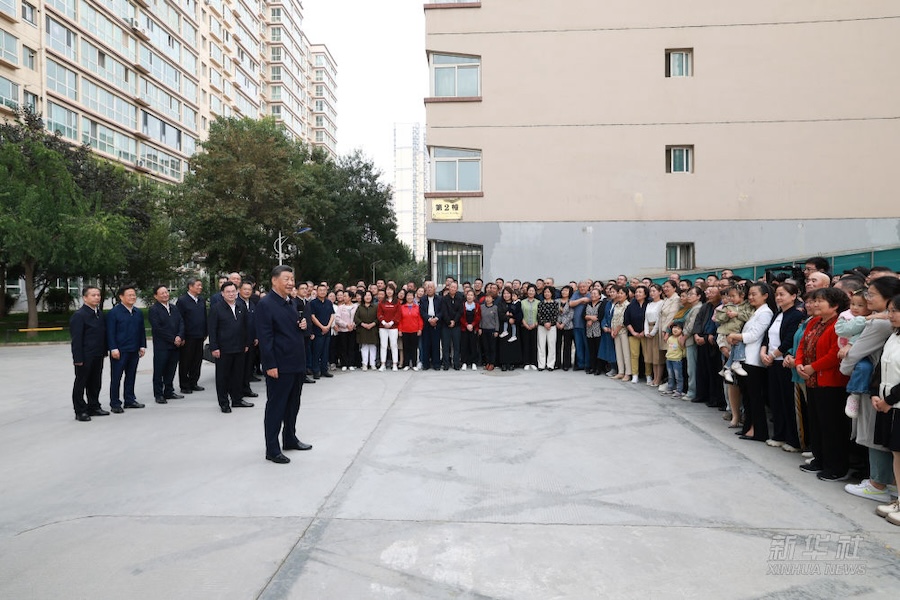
x,y
280,331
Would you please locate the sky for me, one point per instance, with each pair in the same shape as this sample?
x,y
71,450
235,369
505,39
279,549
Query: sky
x,y
382,75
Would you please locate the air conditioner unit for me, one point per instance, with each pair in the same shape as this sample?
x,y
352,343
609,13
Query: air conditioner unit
x,y
144,32
140,162
133,23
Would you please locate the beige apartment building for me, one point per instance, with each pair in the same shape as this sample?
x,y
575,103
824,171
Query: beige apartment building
x,y
586,138
141,80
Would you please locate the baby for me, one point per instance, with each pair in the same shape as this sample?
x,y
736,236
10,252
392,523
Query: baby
x,y
848,327
731,316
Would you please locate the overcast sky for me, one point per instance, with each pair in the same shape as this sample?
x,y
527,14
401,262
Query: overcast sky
x,y
382,76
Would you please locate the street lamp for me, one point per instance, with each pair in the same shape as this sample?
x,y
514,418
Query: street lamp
x,y
279,242
373,268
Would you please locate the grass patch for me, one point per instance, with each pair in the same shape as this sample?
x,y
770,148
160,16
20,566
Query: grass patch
x,y
10,325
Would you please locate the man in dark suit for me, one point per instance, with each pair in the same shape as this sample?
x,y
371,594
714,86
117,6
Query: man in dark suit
x,y
88,329
430,309
280,330
234,278
127,342
228,342
192,307
168,337
245,296
452,309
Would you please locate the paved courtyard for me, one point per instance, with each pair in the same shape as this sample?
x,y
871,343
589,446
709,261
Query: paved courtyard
x,y
420,485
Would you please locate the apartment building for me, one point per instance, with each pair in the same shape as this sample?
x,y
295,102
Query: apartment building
x,y
586,138
140,80
409,186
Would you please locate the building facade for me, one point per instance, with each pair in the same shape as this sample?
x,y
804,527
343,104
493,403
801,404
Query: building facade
x,y
141,80
594,139
411,171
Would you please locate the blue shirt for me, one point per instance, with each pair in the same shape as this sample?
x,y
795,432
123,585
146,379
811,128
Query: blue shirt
x,y
578,316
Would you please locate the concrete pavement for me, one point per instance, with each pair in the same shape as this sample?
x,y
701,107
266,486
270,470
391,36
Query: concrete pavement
x,y
419,485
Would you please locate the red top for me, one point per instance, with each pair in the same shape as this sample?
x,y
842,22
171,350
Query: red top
x,y
475,321
410,319
826,363
388,311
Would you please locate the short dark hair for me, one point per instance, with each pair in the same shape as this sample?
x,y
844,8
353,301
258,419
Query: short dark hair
x,y
191,281
834,297
819,262
158,287
227,284
277,271
88,288
125,288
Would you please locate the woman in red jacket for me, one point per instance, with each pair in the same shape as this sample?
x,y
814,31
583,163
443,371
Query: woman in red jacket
x,y
410,329
468,323
818,364
388,320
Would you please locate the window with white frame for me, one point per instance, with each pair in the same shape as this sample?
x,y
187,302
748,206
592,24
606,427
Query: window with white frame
x,y
29,13
276,15
679,256
62,120
62,80
456,170
61,38
679,159
8,7
275,73
679,63
9,93
29,58
454,76
9,47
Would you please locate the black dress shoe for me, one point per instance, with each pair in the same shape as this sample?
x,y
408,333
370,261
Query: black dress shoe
x,y
698,401
173,396
117,409
241,404
197,388
504,368
299,446
133,405
186,391
225,409
161,400
98,412
316,376
327,374
82,417
309,380
281,459
250,394
750,437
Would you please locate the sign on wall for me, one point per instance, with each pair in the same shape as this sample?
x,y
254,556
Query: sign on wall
x,y
446,209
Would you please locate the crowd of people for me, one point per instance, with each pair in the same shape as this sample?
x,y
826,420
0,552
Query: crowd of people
x,y
816,355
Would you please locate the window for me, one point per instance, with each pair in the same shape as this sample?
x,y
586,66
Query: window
x,y
28,13
276,53
276,15
31,100
29,57
9,93
62,80
8,7
276,34
455,76
9,48
679,256
62,120
60,39
275,92
275,73
679,63
679,159
456,170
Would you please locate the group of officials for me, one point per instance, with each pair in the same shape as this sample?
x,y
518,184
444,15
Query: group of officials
x,y
243,330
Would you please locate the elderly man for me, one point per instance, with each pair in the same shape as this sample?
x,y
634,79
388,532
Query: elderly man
x,y
451,312
578,301
234,278
817,280
430,311
709,360
280,330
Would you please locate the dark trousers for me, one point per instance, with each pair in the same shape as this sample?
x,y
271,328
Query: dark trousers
x,y
282,408
488,346
431,346
308,347
755,401
249,367
709,383
189,363
127,365
469,347
594,362
831,428
783,404
564,339
581,348
529,345
165,361
345,346
88,378
450,346
229,377
410,347
320,346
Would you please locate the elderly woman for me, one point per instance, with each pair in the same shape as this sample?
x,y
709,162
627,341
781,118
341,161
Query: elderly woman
x,y
887,403
818,364
869,344
756,425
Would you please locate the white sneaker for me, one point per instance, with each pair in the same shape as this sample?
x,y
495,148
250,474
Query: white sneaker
x,y
728,376
504,334
774,443
406,368
634,379
474,367
809,461
865,489
343,368
789,448
513,338
464,367
352,368
416,368
663,387
887,509
649,381
738,369
892,489
364,368
394,368
418,365
722,372
852,407
381,368
807,455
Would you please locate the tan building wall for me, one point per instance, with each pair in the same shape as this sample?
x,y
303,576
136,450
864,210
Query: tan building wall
x,y
791,109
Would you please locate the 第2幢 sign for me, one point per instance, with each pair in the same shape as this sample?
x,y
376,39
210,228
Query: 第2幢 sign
x,y
446,209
